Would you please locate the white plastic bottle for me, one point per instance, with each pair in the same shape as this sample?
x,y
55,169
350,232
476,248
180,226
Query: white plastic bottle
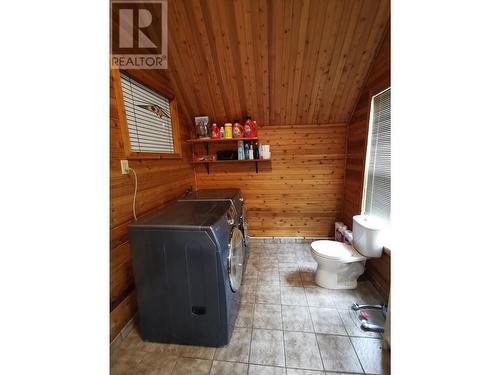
x,y
250,156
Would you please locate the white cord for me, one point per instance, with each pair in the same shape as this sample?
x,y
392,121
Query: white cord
x,y
135,192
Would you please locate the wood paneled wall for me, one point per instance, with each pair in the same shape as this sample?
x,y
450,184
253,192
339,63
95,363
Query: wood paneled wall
x,y
284,62
159,181
379,78
298,193
281,61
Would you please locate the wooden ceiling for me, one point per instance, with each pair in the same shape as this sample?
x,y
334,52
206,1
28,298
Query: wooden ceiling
x,y
280,61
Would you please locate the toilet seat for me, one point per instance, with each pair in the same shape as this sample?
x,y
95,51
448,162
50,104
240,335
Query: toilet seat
x,y
335,250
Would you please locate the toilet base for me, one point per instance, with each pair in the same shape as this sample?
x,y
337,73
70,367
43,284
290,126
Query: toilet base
x,y
333,275
327,279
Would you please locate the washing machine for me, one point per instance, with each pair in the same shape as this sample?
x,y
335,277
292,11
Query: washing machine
x,y
232,195
187,260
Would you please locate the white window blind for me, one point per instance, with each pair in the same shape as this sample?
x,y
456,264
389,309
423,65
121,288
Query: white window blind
x,y
377,192
148,117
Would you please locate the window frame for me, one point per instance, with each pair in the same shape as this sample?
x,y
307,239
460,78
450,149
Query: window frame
x,y
122,117
372,93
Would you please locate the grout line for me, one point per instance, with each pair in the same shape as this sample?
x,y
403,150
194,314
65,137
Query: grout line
x,y
282,331
316,338
357,356
211,364
251,329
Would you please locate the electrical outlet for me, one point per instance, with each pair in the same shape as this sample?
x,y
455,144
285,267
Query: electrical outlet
x,y
124,164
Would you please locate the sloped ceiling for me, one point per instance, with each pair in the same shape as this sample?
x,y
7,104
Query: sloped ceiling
x,y
280,61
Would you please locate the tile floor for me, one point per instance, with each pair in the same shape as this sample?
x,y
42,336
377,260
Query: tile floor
x,y
286,325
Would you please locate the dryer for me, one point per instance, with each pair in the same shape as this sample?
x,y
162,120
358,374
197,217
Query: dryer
x,y
232,195
187,261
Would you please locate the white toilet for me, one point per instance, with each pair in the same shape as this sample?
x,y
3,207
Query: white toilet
x,y
340,264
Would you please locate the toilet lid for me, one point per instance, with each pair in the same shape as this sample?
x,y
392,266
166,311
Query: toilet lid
x,y
335,250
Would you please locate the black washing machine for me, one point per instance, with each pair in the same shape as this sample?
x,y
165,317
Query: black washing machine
x,y
232,195
187,260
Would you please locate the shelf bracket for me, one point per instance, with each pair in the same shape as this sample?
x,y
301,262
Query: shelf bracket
x,y
256,167
206,146
207,167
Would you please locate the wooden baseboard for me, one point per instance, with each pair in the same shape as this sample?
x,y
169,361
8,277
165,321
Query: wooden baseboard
x,y
378,271
124,332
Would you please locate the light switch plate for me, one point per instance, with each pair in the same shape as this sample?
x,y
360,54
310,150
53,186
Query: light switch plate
x,y
124,165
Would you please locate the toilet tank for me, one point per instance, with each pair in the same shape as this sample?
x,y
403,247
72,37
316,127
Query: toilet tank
x,y
367,236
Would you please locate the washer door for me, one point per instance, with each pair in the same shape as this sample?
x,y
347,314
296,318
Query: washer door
x,y
235,259
244,225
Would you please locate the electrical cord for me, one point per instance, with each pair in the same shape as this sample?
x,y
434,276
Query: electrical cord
x,y
135,192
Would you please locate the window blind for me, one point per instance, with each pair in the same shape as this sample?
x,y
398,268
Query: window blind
x,y
148,117
377,192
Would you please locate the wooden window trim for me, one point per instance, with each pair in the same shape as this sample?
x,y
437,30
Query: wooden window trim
x,y
122,118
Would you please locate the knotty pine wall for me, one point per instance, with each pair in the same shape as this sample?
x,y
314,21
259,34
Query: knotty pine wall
x,y
300,192
159,181
285,63
379,78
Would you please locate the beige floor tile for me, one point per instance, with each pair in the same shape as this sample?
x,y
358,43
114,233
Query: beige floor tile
x,y
248,293
338,353
308,279
268,294
293,296
121,368
238,348
268,278
156,363
290,371
290,278
344,298
286,256
250,281
319,297
229,368
201,352
290,265
296,318
327,320
267,347
267,316
131,357
244,318
307,266
191,366
154,347
268,264
373,359
132,341
251,272
266,370
301,351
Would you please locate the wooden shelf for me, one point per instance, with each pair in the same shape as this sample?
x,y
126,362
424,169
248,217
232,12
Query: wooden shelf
x,y
220,140
208,162
230,161
206,141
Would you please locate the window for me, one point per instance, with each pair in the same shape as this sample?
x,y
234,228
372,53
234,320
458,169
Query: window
x,y
377,184
149,123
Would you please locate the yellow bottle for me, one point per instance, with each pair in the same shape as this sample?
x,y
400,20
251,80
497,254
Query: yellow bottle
x,y
228,130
